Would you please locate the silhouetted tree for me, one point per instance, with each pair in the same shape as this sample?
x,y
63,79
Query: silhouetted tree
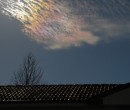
x,y
29,72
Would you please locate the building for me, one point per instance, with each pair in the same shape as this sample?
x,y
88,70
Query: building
x,y
66,97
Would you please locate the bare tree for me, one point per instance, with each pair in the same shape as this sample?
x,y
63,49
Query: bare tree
x,y
29,72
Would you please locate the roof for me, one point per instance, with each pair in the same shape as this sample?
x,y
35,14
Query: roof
x,y
57,93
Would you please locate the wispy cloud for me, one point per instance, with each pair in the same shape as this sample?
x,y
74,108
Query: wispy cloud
x,y
59,24
106,29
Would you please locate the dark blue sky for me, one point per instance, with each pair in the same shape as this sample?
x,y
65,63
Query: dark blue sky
x,y
106,61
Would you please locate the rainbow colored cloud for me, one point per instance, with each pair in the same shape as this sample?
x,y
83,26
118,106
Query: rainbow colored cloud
x,y
56,23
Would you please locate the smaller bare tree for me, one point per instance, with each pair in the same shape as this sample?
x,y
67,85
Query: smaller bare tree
x,y
29,72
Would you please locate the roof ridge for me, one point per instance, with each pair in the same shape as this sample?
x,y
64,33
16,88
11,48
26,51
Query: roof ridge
x,y
60,85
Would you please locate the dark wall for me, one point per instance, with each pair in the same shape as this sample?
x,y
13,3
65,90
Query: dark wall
x,y
118,98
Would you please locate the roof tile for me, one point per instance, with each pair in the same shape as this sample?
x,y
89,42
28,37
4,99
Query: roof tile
x,y
55,93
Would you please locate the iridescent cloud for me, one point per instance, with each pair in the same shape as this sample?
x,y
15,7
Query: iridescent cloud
x,y
64,23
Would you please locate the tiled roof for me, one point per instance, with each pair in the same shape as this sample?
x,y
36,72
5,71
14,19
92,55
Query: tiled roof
x,y
57,93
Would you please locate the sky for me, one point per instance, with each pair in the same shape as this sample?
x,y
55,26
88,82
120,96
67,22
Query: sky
x,y
74,41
